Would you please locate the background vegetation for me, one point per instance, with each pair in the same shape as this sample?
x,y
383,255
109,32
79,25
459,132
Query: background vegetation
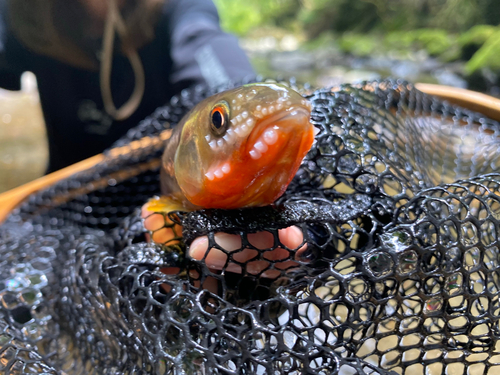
x,y
450,30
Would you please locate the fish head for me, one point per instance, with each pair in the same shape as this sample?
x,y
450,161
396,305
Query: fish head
x,y
242,147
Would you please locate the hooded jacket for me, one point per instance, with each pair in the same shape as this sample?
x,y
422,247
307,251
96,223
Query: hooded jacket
x,y
188,48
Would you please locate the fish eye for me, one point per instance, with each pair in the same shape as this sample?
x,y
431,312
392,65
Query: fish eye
x,y
219,118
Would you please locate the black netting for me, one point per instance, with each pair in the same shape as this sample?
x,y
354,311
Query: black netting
x,y
398,205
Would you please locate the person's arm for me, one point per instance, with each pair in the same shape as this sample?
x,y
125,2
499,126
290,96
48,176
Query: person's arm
x,y
201,52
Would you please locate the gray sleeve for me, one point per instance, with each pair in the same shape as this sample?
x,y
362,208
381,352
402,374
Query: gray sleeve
x,y
201,52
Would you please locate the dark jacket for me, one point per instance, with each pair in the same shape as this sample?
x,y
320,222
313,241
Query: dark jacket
x,y
189,48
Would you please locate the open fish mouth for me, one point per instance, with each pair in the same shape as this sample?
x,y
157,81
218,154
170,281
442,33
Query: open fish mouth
x,y
264,165
273,131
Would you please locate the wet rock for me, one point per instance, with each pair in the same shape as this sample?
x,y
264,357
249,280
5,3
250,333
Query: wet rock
x,y
380,63
430,65
292,61
325,58
260,45
354,76
338,75
409,70
289,43
331,77
449,78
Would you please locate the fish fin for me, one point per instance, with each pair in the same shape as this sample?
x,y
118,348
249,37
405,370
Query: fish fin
x,y
164,204
157,222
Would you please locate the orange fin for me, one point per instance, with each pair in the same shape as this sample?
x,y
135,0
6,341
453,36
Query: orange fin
x,y
164,204
155,214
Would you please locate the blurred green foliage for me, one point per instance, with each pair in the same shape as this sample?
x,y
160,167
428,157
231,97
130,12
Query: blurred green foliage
x,y
241,16
359,44
487,55
447,29
317,16
435,41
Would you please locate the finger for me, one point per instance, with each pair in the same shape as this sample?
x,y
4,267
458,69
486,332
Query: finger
x,y
215,258
291,237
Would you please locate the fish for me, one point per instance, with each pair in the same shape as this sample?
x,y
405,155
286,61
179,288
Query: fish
x,y
239,148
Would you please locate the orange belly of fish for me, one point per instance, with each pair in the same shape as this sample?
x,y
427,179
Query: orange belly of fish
x,y
257,182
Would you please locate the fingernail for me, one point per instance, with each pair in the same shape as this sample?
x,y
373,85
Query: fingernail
x,y
198,248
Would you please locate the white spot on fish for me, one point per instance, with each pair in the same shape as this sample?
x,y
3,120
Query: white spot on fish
x,y
260,146
250,122
213,144
208,138
244,114
220,142
226,168
270,136
210,175
218,173
255,154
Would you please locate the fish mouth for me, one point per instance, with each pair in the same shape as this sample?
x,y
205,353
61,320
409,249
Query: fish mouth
x,y
272,131
261,169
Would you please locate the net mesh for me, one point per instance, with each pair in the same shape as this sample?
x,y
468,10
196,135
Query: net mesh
x,y
398,272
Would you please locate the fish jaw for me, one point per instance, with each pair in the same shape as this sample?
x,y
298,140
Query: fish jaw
x,y
261,168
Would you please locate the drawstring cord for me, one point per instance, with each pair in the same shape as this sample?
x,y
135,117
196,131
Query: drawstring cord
x,y
114,22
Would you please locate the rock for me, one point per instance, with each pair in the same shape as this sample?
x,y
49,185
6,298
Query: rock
x,y
405,69
448,78
292,61
289,43
430,65
354,76
260,45
331,77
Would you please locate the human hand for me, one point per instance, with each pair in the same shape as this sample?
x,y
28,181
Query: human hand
x,y
262,258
